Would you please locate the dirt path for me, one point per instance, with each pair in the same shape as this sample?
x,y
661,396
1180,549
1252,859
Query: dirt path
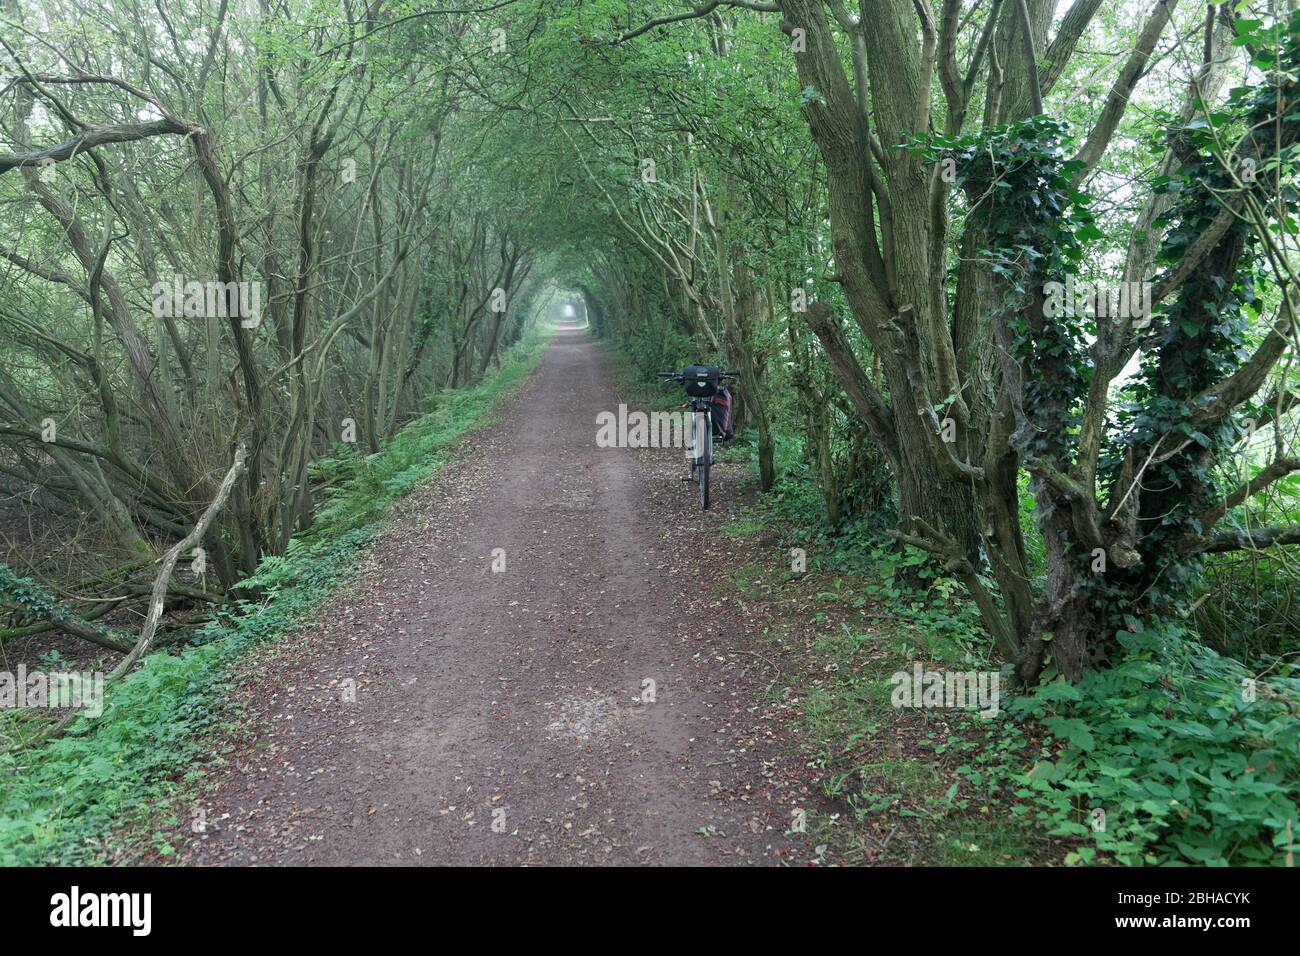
x,y
514,698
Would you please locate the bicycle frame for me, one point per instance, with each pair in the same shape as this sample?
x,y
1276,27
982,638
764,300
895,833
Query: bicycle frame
x,y
700,450
700,423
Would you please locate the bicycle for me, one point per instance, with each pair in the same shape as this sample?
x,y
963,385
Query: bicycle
x,y
702,384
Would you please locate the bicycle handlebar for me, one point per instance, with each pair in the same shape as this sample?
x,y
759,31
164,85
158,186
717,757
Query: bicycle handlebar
x,y
678,375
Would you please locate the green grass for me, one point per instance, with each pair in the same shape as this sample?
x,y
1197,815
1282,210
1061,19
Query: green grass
x,y
984,841
60,803
871,621
1187,770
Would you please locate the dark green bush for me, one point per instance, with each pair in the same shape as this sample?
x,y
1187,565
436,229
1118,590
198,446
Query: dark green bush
x,y
1191,758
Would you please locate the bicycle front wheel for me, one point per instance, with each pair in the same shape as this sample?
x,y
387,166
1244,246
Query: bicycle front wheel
x,y
704,466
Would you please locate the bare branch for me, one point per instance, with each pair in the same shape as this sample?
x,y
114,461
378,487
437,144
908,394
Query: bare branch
x,y
696,13
90,138
1275,470
1255,540
1117,100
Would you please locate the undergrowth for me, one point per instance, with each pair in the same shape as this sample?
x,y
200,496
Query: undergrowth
x,y
1172,755
58,803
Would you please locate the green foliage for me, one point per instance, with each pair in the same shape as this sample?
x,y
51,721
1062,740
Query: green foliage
x,y
882,608
58,804
1249,604
1187,771
33,601
655,347
1018,183
1209,329
1167,743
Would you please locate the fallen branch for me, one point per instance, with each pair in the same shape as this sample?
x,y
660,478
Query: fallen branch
x,y
35,601
160,585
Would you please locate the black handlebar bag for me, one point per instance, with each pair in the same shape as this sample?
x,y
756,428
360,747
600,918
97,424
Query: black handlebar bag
x,y
701,381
